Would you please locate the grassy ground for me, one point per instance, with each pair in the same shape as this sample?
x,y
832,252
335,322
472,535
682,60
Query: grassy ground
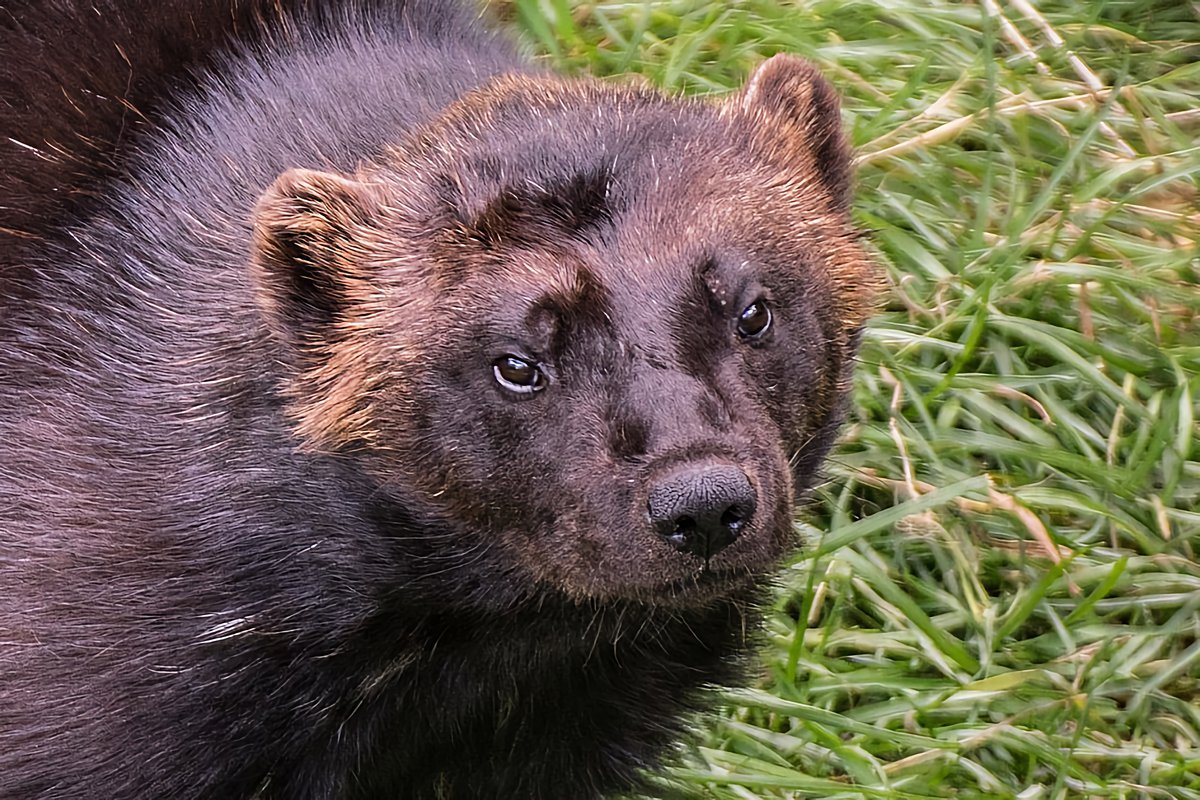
x,y
1000,597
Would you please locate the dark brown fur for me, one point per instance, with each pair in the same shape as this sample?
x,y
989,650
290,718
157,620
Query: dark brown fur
x,y
270,525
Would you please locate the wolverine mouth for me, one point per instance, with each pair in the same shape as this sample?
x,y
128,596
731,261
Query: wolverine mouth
x,y
706,584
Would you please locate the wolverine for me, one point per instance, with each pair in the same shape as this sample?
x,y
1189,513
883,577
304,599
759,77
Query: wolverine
x,y
383,416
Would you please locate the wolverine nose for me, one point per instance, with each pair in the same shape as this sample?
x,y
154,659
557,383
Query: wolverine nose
x,y
702,509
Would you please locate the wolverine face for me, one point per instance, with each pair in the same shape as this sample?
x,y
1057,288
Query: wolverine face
x,y
605,335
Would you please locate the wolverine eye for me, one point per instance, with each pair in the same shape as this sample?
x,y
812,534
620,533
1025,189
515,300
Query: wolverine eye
x,y
754,320
518,375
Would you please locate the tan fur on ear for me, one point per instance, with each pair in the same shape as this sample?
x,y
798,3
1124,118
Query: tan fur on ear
x,y
310,224
783,84
313,233
796,118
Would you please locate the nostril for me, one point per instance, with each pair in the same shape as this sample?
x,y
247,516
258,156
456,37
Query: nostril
x,y
679,532
733,518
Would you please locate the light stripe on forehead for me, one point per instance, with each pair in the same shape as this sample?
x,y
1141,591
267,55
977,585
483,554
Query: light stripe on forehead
x,y
574,292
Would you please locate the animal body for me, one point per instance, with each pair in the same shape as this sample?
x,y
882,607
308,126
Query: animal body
x,y
382,416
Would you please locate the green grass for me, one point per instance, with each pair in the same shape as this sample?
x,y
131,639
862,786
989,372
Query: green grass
x,y
1000,597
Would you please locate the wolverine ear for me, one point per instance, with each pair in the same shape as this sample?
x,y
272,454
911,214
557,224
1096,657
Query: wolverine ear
x,y
309,255
796,113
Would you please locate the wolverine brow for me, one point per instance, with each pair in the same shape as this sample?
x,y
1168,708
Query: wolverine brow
x,y
577,299
577,205
713,285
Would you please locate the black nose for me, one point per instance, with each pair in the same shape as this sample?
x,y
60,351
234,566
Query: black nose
x,y
702,509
